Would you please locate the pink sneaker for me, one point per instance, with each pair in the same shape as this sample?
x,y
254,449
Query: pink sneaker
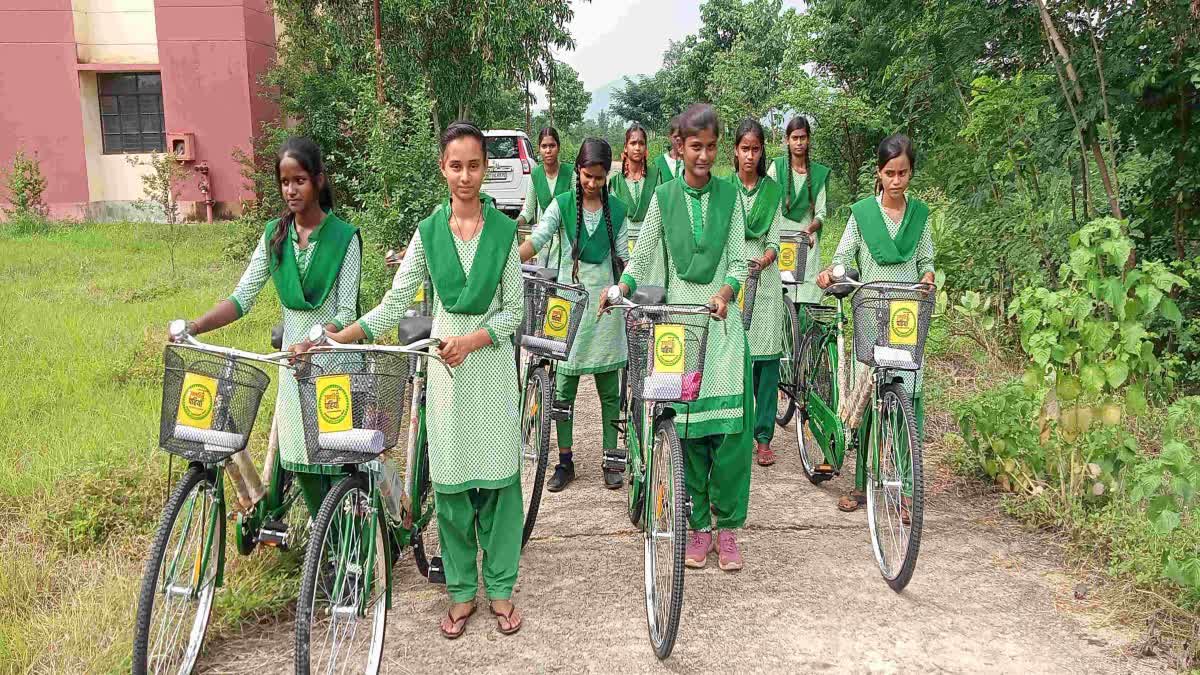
x,y
699,544
729,558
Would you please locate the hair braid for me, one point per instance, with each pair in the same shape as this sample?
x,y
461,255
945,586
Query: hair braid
x,y
575,247
787,181
612,240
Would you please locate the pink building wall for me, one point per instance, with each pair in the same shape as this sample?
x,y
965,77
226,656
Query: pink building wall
x,y
39,88
212,54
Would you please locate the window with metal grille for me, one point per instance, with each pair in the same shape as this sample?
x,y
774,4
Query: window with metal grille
x,y
131,112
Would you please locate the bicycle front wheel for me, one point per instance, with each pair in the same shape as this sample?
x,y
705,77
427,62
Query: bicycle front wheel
x,y
535,444
789,365
180,577
341,614
895,487
818,371
665,535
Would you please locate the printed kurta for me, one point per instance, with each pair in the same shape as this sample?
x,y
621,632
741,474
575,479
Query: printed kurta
x,y
474,437
852,252
635,193
808,292
532,212
599,345
338,309
719,407
766,327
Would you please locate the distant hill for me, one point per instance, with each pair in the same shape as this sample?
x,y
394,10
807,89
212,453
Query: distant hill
x,y
602,97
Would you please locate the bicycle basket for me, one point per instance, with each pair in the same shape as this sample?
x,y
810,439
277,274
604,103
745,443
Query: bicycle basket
x,y
747,297
352,404
209,404
793,257
552,315
891,322
666,352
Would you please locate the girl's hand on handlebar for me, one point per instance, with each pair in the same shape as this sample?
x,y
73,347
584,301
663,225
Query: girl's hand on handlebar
x,y
719,306
604,300
299,348
825,279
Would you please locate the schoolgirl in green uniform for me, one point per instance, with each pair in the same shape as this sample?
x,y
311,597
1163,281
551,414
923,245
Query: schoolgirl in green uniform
x,y
759,201
593,226
634,184
314,259
469,250
548,180
670,163
887,239
803,182
693,242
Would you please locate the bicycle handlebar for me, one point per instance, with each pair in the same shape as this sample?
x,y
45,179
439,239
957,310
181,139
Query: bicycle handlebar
x,y
177,334
324,343
618,301
844,276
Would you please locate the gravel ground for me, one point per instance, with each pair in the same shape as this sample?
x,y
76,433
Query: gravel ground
x,y
987,596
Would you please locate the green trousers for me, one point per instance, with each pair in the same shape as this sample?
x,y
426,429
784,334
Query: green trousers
x,y
766,399
716,469
475,519
864,438
608,386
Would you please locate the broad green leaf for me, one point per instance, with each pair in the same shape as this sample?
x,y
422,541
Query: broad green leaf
x,y
1092,377
1116,372
1167,521
1135,399
1170,311
1032,378
1118,250
1067,387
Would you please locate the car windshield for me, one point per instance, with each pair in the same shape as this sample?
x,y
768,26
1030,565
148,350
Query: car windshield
x,y
502,147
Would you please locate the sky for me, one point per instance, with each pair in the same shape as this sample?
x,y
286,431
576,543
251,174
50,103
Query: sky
x,y
614,38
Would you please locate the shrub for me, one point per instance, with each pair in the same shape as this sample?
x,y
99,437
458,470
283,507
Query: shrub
x,y
26,189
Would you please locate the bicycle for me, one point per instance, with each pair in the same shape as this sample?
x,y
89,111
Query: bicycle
x,y
793,259
552,315
210,401
357,401
667,344
891,323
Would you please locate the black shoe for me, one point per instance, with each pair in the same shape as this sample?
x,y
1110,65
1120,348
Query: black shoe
x,y
613,479
563,475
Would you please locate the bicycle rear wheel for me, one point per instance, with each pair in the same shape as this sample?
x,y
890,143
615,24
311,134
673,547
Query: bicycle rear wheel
x,y
818,372
895,487
341,614
180,577
427,550
789,365
665,535
535,444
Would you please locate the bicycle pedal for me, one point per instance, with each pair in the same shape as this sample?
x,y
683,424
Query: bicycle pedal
x,y
615,461
274,535
825,468
437,573
561,411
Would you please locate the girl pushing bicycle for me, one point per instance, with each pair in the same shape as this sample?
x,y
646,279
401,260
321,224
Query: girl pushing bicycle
x,y
469,250
693,242
887,239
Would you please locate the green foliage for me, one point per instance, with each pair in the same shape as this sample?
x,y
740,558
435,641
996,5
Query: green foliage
x,y
26,189
161,185
569,99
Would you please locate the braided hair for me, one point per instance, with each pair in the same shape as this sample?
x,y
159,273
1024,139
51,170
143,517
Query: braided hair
x,y
634,128
797,123
308,155
592,152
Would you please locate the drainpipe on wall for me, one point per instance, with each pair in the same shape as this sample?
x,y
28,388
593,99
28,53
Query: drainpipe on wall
x,y
206,188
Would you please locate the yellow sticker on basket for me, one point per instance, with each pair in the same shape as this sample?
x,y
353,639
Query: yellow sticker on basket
x,y
420,296
333,404
558,318
196,401
902,322
668,348
787,257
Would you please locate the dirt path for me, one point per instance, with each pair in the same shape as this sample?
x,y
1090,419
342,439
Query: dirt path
x,y
986,597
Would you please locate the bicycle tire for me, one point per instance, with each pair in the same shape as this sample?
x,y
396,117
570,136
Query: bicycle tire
x,y
196,477
666,446
355,487
535,451
426,549
633,444
790,381
816,363
896,401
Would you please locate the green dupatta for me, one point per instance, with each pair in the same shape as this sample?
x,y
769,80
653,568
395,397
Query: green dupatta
x,y
885,249
664,169
334,236
541,186
696,254
796,205
596,247
461,293
762,214
621,188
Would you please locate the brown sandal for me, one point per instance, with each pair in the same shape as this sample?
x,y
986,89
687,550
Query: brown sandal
x,y
508,617
851,502
455,634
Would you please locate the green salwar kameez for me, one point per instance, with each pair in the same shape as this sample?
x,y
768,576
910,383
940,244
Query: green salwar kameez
x,y
716,428
474,435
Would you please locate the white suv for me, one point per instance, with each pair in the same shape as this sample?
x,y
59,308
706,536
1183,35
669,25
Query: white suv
x,y
510,161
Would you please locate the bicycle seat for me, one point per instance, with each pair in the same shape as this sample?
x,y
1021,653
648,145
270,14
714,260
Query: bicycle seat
x,y
415,328
649,295
277,336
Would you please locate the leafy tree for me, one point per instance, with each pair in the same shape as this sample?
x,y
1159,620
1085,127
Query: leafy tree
x,y
568,99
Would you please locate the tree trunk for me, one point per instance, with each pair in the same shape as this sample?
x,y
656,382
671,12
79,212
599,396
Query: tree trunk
x,y
378,56
528,114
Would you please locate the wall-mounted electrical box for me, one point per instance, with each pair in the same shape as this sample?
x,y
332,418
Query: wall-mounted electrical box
x,y
182,145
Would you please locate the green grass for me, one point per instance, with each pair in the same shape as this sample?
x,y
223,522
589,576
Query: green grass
x,y
81,478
